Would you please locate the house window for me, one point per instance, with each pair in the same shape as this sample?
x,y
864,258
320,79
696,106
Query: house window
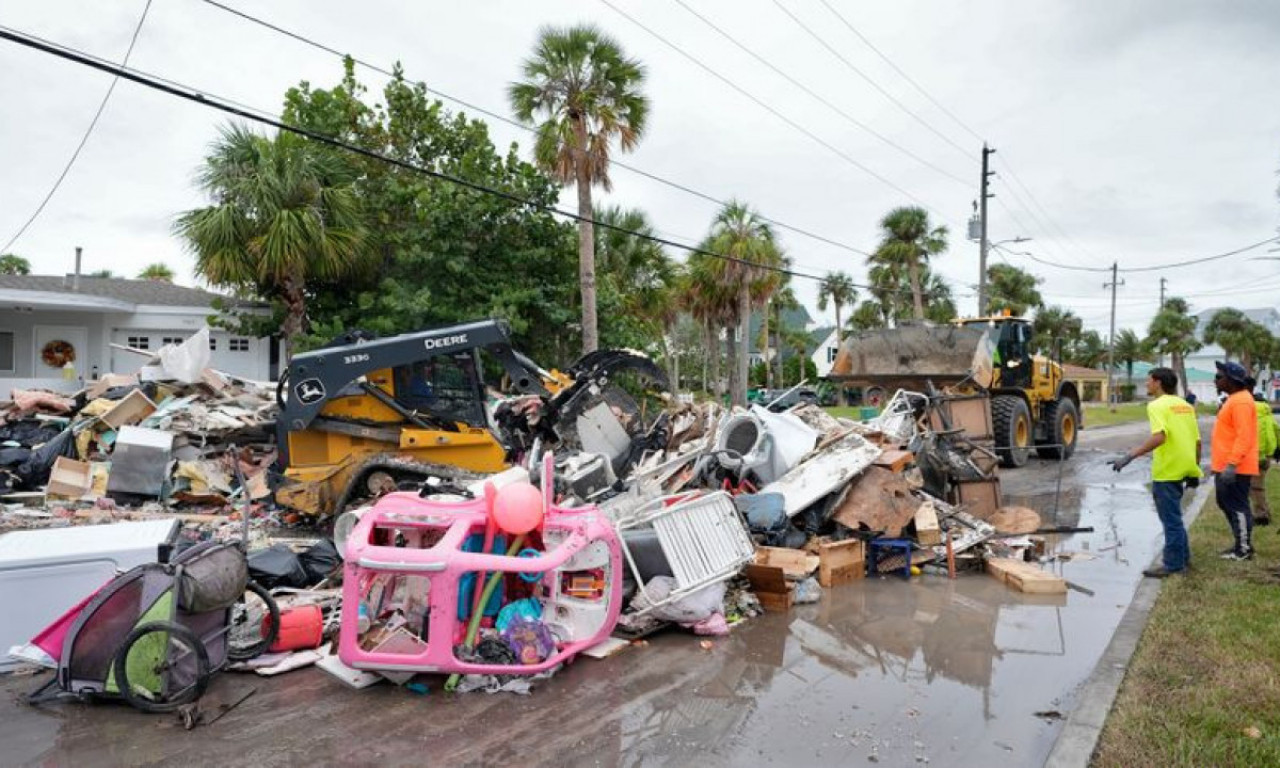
x,y
213,344
831,354
171,340
238,345
7,360
139,342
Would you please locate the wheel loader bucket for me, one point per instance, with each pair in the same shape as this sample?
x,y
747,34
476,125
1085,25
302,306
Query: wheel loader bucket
x,y
942,354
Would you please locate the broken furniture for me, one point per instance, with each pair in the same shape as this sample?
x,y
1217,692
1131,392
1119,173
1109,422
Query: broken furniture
x,y
883,556
140,463
578,574
702,537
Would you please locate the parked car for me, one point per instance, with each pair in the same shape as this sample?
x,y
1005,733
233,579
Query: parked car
x,y
781,399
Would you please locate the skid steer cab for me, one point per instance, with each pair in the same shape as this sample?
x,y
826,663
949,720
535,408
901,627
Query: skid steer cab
x,y
363,416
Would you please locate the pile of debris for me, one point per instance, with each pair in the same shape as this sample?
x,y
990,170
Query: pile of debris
x,y
173,437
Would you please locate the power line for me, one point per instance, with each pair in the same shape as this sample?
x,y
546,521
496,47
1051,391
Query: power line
x,y
83,139
870,81
771,110
821,99
1204,259
212,101
1048,263
1036,203
517,124
897,69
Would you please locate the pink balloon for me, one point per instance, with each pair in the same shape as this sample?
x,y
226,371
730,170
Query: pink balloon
x,y
517,508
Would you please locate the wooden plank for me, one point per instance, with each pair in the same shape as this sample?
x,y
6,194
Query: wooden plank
x,y
894,460
928,532
1025,577
794,563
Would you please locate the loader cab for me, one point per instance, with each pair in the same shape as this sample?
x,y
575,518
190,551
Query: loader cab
x,y
1013,359
449,387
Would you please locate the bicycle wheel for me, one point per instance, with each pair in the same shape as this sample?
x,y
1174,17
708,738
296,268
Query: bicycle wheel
x,y
255,622
161,666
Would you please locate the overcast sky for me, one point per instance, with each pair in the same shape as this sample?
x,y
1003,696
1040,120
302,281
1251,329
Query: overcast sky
x,y
1142,132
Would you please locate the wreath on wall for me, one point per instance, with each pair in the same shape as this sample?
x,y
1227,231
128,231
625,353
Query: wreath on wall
x,y
58,353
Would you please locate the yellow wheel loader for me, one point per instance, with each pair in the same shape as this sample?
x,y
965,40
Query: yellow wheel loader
x,y
1033,407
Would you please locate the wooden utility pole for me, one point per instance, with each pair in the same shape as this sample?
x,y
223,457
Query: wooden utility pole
x,y
983,243
1111,342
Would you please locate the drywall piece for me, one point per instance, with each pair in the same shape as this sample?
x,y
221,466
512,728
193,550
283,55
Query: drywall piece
x,y
600,431
824,472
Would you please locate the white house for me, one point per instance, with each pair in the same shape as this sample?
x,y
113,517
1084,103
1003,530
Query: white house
x,y
824,356
46,320
1204,358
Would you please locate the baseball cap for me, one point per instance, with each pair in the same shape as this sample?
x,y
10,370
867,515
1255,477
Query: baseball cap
x,y
1233,371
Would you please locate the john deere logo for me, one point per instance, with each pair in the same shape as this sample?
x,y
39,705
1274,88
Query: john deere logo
x,y
309,391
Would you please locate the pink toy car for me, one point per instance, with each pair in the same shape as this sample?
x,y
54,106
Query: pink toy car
x,y
407,558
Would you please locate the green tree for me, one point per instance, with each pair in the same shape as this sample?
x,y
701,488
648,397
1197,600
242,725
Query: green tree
x,y
749,255
838,289
869,315
1173,332
1129,349
159,272
908,241
1086,349
1053,325
583,93
711,304
1013,289
443,254
783,301
285,212
1229,329
638,275
12,264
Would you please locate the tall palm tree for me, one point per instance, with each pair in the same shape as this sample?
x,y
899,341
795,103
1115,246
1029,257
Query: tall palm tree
x,y
749,255
704,297
1013,289
640,272
908,242
837,288
1173,332
284,213
583,93
1052,324
783,301
869,315
1131,349
160,272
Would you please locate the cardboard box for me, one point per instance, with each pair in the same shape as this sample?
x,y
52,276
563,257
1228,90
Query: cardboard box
x,y
69,478
971,414
981,498
840,562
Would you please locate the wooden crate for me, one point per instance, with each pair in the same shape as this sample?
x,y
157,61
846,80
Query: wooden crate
x,y
840,562
970,413
795,563
770,585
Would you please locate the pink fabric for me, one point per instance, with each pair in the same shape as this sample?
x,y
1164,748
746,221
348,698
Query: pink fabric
x,y
34,399
51,638
712,625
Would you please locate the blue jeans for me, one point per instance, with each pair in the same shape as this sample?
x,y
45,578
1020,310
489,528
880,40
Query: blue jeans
x,y
1177,551
1233,499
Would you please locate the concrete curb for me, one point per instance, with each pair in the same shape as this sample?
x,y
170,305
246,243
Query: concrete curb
x,y
1079,737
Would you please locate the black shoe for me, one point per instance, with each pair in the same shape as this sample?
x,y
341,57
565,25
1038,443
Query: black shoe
x,y
1228,553
1158,572
1233,555
1262,521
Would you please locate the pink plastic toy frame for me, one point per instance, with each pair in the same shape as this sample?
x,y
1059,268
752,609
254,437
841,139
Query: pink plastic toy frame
x,y
445,563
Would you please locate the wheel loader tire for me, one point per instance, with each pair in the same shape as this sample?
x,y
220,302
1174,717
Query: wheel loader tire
x,y
1011,421
1063,419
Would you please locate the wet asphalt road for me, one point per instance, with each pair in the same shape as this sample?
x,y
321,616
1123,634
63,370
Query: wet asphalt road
x,y
883,671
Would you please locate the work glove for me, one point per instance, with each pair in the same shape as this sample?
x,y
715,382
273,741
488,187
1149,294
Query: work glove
x,y
1120,463
1276,456
1228,475
1193,482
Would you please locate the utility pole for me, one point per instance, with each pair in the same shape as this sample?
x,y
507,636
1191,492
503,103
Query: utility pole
x,y
983,242
1111,343
1160,357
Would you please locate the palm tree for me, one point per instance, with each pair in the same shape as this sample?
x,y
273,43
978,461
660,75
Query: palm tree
x,y
284,213
640,272
1173,332
158,272
747,269
1013,289
1131,349
585,93
704,297
869,315
782,301
1052,324
1228,328
13,264
837,288
908,242
1087,349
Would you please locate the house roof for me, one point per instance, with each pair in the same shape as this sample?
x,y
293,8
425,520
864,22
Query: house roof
x,y
1080,372
119,289
817,336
